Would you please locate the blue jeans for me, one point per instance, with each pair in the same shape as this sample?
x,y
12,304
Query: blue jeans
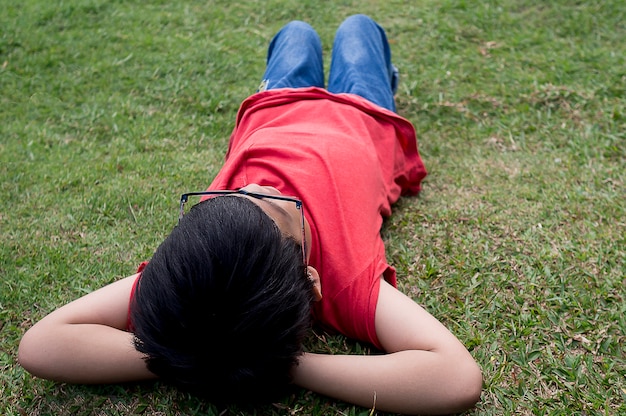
x,y
360,61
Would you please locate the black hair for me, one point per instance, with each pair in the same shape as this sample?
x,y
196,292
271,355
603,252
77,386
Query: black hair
x,y
224,304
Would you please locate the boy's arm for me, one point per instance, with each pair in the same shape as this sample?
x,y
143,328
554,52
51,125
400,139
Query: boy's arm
x,y
85,341
427,369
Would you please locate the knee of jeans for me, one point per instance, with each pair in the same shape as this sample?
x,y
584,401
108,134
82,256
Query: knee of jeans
x,y
356,21
299,26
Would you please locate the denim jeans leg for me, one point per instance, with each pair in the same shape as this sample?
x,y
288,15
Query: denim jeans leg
x,y
294,58
361,62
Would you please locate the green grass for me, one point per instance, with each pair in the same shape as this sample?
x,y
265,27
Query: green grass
x,y
110,109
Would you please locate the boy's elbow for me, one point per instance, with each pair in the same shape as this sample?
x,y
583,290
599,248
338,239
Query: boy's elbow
x,y
31,355
26,354
468,386
456,389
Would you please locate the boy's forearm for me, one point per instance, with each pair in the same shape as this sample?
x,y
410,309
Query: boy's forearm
x,y
85,341
83,353
408,382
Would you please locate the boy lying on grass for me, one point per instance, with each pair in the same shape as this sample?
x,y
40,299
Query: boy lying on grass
x,y
223,306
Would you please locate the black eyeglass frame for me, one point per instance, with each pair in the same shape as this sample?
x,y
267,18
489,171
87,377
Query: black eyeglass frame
x,y
184,198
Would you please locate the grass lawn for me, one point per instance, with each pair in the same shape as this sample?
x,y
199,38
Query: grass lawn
x,y
109,110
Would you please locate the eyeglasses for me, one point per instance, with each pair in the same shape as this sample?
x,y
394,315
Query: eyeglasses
x,y
185,197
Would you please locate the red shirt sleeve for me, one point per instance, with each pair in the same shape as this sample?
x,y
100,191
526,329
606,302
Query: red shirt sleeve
x,y
129,324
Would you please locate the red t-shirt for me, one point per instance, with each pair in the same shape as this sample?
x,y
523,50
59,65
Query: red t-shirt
x,y
348,160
